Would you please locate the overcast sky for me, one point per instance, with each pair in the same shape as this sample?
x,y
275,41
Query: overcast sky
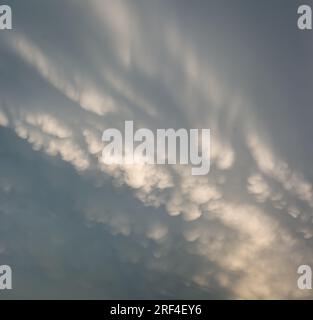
x,y
71,227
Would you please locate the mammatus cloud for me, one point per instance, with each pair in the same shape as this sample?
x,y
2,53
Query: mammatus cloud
x,y
239,232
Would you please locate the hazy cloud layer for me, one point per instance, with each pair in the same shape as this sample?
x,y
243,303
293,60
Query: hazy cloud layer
x,y
72,227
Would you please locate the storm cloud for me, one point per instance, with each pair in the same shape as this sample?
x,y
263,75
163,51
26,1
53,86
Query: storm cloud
x,y
72,227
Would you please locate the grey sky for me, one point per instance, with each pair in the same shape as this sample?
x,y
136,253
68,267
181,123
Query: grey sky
x,y
71,228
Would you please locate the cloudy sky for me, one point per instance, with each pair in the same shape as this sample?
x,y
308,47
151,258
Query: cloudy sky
x,y
71,227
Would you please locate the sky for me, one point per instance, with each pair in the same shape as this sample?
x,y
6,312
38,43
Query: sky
x,y
74,228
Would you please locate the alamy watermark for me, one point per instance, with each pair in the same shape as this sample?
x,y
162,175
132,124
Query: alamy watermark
x,y
305,18
5,277
5,17
304,21
161,148
305,278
